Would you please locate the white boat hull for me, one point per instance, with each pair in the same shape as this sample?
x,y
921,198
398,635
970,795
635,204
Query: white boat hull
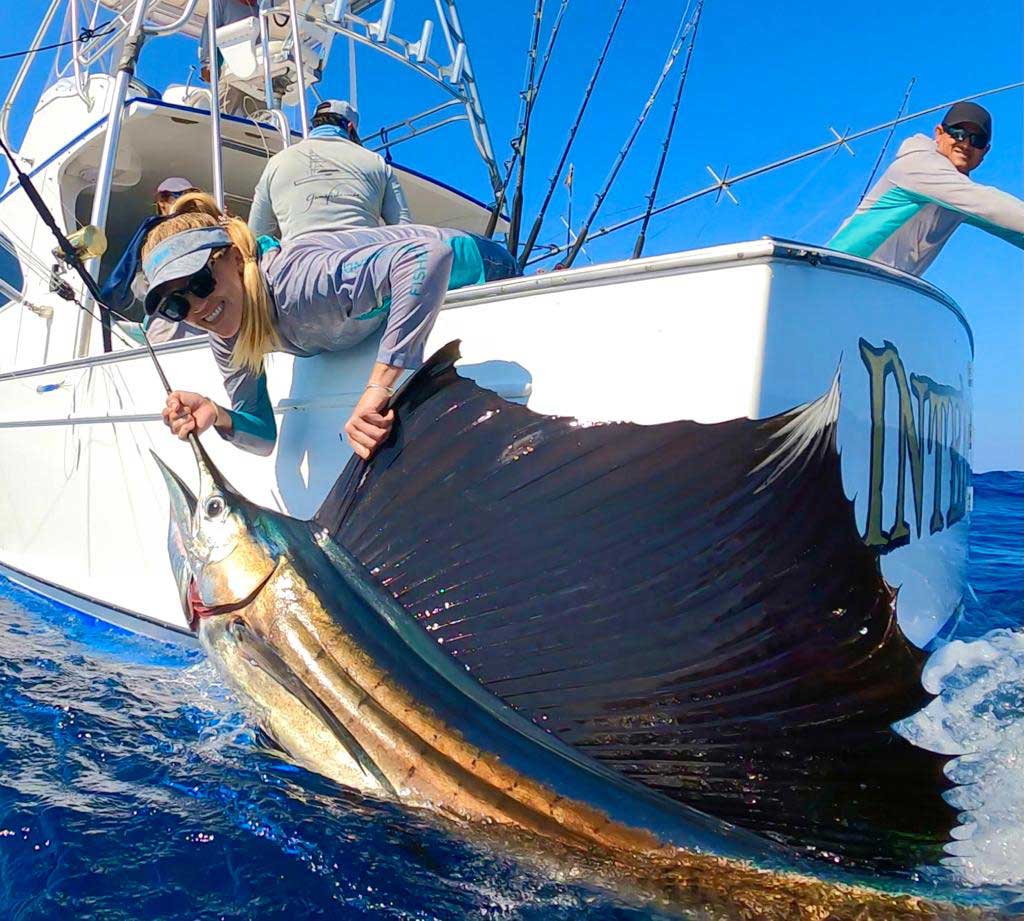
x,y
747,330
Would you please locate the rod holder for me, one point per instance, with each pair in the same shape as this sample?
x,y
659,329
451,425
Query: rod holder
x,y
421,49
454,72
338,10
381,29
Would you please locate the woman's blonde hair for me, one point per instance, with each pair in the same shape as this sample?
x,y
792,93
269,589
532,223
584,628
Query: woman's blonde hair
x,y
256,335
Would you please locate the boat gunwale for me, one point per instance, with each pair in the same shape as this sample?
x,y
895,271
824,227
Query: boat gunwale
x,y
114,615
756,252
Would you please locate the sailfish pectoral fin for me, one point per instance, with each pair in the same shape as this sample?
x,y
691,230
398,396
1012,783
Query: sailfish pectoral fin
x,y
264,657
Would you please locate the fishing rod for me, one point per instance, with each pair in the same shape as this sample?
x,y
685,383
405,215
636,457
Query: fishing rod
x,y
517,200
74,260
512,239
518,146
554,249
524,95
888,138
681,33
69,251
638,247
553,181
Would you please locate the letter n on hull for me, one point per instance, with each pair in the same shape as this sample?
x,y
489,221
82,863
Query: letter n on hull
x,y
932,429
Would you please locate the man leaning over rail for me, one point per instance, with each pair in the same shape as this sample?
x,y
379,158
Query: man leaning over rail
x,y
327,181
913,209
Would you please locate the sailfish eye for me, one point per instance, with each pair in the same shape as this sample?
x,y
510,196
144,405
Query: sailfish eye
x,y
214,507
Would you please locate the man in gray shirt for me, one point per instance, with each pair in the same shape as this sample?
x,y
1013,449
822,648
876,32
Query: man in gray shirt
x,y
925,194
327,182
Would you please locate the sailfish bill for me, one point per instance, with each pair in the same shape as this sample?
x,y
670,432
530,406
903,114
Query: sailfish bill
x,y
585,634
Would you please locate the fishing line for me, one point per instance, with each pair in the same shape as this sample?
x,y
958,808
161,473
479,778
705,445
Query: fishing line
x,y
83,37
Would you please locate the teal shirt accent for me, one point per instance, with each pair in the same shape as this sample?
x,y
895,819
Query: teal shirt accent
x,y
265,243
467,265
254,419
467,269
384,307
866,232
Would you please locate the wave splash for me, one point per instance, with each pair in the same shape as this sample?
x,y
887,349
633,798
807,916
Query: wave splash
x,y
978,717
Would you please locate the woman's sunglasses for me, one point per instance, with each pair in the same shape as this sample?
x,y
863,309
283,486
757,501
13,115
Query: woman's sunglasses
x,y
977,139
175,306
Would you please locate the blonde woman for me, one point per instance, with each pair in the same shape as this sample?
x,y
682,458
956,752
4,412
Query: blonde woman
x,y
321,292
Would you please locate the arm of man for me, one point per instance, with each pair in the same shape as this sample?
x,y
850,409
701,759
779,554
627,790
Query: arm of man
x,y
261,215
395,207
984,206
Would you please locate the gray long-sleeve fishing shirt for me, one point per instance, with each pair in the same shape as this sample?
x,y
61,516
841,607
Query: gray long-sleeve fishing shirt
x,y
326,183
330,290
913,209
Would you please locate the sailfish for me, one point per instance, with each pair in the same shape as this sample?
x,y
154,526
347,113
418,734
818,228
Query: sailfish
x,y
667,643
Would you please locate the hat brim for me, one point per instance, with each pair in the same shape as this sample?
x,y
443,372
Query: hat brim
x,y
182,267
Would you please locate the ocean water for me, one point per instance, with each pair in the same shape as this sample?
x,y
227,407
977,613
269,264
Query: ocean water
x,y
132,786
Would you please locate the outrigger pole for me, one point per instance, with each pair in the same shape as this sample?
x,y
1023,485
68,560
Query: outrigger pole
x,y
553,181
721,185
581,237
638,247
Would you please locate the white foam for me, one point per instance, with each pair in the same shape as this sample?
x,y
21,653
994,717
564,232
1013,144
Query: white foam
x,y
978,716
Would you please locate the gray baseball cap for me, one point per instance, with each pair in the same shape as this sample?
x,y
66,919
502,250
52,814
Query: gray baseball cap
x,y
180,256
175,184
339,107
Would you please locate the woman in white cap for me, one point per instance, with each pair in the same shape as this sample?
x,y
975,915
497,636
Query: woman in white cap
x,y
323,292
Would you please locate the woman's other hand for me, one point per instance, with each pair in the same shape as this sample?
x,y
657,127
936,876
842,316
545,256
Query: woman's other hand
x,y
186,412
369,425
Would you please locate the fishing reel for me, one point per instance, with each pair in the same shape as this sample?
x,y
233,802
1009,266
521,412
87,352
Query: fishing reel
x,y
88,242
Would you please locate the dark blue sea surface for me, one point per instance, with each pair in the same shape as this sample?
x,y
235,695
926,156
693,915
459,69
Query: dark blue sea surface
x,y
132,785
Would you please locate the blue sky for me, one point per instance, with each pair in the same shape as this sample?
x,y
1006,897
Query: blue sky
x,y
766,80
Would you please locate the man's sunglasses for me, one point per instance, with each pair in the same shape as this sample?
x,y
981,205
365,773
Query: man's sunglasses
x,y
175,306
977,139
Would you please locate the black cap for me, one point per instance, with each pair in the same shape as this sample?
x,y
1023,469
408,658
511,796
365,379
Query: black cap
x,y
962,112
